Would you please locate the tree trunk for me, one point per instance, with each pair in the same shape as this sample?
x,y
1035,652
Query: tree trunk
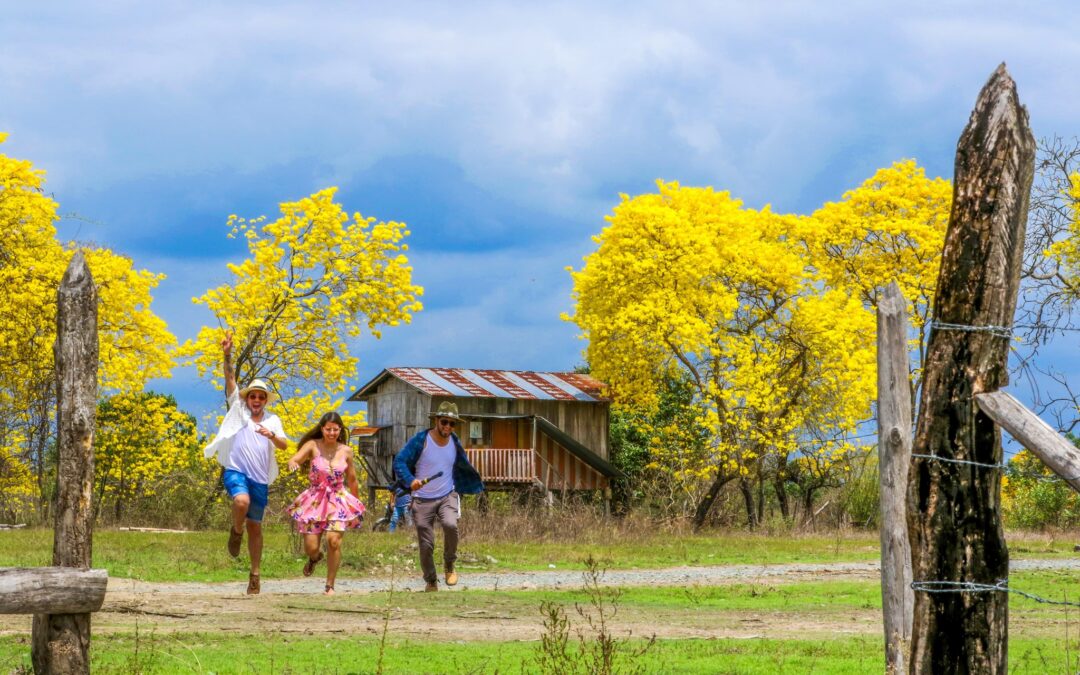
x,y
61,642
953,508
706,503
747,490
782,496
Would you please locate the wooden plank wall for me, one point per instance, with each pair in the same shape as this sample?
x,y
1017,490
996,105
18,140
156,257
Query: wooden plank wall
x,y
587,423
403,410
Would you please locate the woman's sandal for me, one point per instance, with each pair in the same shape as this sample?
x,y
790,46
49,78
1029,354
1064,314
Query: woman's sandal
x,y
328,590
309,566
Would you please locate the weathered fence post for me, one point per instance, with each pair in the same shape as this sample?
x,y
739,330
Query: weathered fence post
x,y
894,459
61,642
954,485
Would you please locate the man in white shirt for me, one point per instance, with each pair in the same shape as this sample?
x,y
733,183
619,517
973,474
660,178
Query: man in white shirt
x,y
245,446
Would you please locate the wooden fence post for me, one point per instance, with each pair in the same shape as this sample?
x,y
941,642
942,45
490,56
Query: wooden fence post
x,y
61,642
894,459
954,485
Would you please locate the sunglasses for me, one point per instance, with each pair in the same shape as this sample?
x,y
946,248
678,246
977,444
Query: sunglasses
x,y
449,423
257,397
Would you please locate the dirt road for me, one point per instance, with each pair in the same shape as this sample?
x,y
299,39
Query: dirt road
x,y
361,605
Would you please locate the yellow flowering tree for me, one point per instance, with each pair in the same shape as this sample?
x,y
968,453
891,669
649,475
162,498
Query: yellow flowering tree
x,y
315,277
890,228
135,344
141,440
687,279
17,486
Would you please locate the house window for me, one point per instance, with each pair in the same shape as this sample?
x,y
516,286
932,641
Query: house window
x,y
476,432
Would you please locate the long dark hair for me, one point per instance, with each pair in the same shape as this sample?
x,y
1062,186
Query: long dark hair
x,y
316,432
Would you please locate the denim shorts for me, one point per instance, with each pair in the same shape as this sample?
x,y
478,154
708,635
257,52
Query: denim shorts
x,y
237,483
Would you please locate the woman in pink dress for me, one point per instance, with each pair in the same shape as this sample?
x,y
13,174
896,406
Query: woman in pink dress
x,y
326,506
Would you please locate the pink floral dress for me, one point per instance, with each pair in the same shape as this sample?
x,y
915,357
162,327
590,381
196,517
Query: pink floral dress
x,y
327,505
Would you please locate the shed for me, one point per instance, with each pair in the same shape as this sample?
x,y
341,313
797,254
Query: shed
x,y
547,430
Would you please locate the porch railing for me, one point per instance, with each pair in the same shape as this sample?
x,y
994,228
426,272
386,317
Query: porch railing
x,y
504,465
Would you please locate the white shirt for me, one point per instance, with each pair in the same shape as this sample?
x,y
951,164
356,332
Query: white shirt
x,y
433,459
238,447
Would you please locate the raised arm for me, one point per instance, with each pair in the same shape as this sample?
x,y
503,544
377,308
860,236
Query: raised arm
x,y
226,364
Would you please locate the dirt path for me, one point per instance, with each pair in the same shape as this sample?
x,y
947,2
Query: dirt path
x,y
298,606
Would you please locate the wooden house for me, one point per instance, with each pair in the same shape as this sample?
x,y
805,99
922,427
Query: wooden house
x,y
520,429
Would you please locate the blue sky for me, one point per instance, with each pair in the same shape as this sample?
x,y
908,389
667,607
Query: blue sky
x,y
501,133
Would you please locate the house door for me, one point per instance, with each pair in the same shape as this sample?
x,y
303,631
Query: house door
x,y
504,433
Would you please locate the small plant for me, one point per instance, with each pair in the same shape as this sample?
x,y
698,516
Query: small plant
x,y
598,651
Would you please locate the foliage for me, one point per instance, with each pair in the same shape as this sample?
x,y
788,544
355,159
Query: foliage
x,y
890,228
598,650
1066,252
1032,496
17,486
134,343
660,451
314,278
141,440
688,283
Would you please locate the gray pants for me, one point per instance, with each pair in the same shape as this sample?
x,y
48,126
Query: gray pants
x,y
425,512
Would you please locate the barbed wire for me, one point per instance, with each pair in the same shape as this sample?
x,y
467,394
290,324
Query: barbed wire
x,y
1000,331
1001,586
1004,467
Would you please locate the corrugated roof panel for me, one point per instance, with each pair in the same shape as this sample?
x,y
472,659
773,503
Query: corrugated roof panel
x,y
566,386
515,384
413,377
488,384
512,388
443,383
532,389
554,391
457,377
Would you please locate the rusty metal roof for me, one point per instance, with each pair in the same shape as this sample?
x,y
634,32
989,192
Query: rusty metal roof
x,y
364,432
515,384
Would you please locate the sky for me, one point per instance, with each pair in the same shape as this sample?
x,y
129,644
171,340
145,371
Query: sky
x,y
501,133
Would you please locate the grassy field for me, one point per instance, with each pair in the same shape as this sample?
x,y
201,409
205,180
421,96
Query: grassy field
x,y
199,556
805,624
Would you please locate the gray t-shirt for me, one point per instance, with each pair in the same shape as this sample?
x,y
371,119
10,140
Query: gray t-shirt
x,y
433,459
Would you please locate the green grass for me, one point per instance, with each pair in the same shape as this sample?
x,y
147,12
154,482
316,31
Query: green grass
x,y
281,653
201,556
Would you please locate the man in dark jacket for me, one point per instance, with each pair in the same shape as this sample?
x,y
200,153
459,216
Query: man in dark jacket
x,y
433,464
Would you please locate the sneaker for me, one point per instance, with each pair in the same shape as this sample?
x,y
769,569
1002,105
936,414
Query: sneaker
x,y
451,577
431,587
234,542
253,584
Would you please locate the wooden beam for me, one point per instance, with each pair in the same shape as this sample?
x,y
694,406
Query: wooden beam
x,y
1029,430
894,459
51,590
954,498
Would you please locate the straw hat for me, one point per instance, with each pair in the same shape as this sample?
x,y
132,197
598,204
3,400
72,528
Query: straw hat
x,y
447,409
258,385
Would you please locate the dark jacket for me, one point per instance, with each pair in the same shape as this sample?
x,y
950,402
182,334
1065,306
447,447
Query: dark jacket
x,y
466,478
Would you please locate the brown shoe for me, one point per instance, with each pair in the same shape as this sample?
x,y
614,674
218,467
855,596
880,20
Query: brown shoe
x,y
253,584
309,566
451,577
431,587
234,542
